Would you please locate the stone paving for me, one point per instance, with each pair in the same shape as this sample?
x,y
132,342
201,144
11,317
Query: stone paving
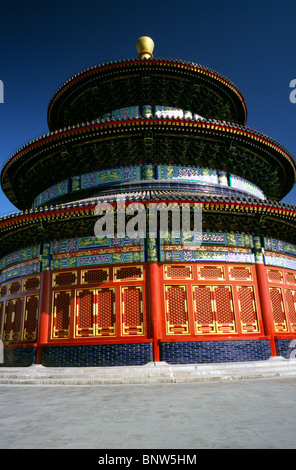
x,y
237,414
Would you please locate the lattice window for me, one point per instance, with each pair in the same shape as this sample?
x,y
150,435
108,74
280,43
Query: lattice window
x,y
12,330
224,309
61,314
105,325
291,307
213,309
247,309
67,278
1,317
95,276
14,288
275,275
211,272
32,283
176,310
132,310
240,273
3,291
18,320
9,320
177,272
85,313
291,278
129,273
203,310
277,305
31,315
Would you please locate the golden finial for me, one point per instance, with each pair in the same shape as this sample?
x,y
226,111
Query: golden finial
x,y
145,47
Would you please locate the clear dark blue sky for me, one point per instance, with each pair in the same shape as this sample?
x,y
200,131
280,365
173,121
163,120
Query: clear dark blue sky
x,y
43,43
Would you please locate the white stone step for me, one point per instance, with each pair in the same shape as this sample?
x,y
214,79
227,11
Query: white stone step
x,y
159,372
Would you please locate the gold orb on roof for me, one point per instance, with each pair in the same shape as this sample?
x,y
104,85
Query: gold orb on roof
x,y
145,46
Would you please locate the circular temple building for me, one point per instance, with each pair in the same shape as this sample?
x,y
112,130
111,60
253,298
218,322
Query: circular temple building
x,y
130,136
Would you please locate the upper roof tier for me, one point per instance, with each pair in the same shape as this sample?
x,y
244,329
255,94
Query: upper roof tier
x,y
133,82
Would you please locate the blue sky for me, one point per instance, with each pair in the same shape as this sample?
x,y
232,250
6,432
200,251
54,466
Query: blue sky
x,y
43,43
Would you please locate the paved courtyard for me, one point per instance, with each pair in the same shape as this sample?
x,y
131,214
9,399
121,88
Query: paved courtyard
x,y
208,415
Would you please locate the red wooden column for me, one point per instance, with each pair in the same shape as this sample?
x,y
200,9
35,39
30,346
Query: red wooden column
x,y
155,305
44,313
267,314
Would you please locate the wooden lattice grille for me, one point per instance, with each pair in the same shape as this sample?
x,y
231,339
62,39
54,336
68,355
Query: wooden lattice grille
x,y
247,309
224,309
18,320
67,278
213,309
203,309
277,305
85,312
61,314
106,317
3,291
275,275
132,310
291,278
128,273
32,283
178,272
177,321
14,288
12,330
1,317
9,320
240,273
95,276
31,315
95,312
211,272
291,307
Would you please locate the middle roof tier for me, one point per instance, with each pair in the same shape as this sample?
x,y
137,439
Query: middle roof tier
x,y
105,144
